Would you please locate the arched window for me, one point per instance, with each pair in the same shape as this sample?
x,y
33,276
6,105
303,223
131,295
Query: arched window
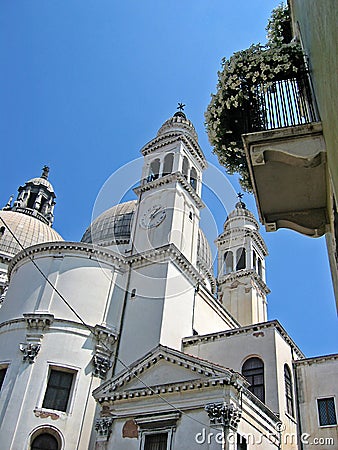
x,y
45,441
168,164
154,170
254,260
241,259
31,200
259,267
288,390
253,371
185,167
228,262
193,178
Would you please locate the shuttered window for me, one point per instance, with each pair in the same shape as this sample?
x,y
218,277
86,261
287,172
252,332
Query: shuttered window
x,y
156,441
253,371
58,390
327,411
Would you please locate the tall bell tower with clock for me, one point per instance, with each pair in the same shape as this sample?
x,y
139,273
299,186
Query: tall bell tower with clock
x,y
169,195
164,279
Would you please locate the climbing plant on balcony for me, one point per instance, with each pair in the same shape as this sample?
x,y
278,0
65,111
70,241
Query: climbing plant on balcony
x,y
235,108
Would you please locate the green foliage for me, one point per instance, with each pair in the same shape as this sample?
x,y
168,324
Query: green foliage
x,y
279,26
234,109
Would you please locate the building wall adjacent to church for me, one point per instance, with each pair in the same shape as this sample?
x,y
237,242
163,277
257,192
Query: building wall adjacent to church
x,y
317,397
264,341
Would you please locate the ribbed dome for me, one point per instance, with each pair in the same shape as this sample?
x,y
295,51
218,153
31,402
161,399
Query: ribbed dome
x,y
204,254
241,217
111,227
178,122
41,181
27,229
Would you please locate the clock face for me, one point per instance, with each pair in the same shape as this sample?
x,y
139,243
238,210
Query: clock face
x,y
153,217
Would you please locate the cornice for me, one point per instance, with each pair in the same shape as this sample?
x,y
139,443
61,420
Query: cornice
x,y
171,178
201,367
234,276
169,388
261,405
228,235
89,250
6,257
161,254
192,340
316,359
170,138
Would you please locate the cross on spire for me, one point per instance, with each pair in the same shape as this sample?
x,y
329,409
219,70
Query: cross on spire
x,y
180,106
240,196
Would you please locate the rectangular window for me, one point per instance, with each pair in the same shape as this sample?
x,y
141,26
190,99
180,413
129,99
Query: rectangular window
x,y
3,371
326,411
156,441
58,390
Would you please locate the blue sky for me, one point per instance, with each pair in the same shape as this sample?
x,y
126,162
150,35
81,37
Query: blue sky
x,y
85,84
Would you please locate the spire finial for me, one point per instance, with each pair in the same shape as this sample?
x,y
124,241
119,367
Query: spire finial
x,y
45,172
240,203
180,106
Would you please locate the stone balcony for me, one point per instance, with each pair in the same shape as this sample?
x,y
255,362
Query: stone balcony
x,y
287,168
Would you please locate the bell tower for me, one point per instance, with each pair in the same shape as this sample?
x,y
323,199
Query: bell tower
x,y
241,267
163,257
169,195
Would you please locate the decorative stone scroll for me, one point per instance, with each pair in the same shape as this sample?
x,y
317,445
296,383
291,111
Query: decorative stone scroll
x,y
101,366
30,351
103,428
227,415
104,349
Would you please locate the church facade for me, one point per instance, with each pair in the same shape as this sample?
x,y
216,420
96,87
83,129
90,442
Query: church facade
x,y
127,340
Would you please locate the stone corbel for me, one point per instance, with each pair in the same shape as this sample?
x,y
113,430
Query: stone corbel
x,y
103,428
106,337
38,321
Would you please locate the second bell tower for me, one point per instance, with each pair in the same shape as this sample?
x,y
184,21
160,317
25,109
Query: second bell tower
x,y
241,267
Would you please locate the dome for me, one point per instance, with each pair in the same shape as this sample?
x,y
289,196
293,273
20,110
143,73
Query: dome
x,y
241,217
27,229
41,181
204,254
114,227
178,122
111,227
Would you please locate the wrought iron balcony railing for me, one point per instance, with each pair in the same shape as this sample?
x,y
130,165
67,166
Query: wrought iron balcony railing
x,y
283,103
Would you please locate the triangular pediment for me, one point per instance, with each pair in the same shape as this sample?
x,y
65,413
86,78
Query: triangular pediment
x,y
162,367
